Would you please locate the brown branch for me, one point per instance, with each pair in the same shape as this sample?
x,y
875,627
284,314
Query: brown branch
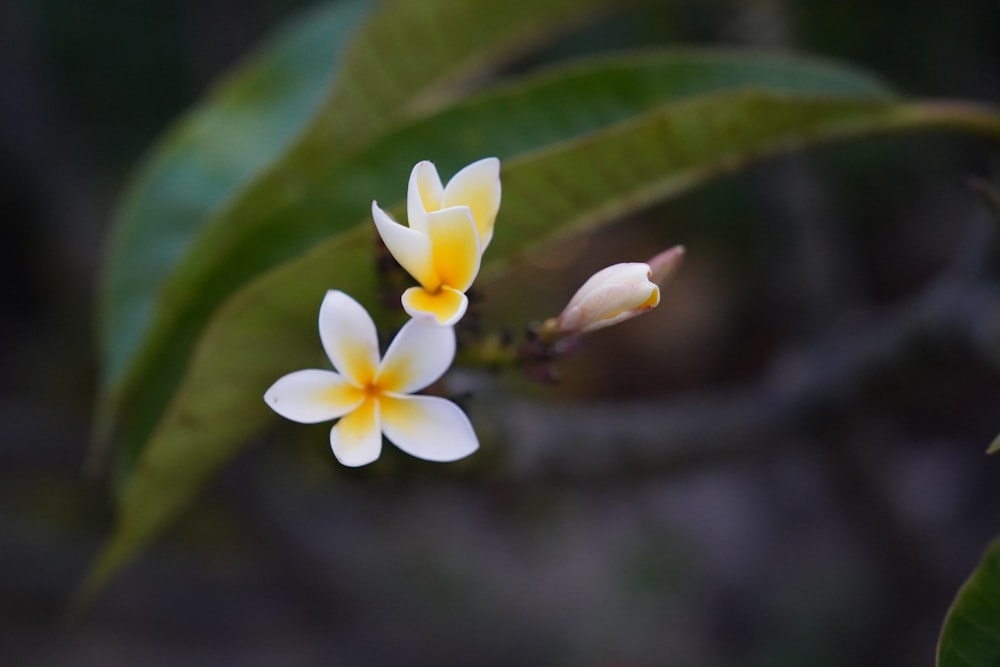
x,y
802,391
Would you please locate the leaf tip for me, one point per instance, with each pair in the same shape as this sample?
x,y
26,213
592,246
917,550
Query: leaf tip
x,y
113,556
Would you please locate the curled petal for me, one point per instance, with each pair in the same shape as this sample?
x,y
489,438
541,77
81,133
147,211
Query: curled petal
x,y
477,186
455,246
423,194
444,307
418,355
312,396
428,427
411,248
628,272
611,295
349,337
608,305
356,439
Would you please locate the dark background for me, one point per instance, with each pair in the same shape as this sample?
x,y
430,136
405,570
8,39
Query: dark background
x,y
782,465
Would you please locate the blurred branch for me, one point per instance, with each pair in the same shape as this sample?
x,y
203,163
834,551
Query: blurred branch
x,y
818,276
989,194
803,391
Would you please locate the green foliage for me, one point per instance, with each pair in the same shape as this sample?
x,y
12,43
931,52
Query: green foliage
x,y
244,125
259,201
971,634
266,226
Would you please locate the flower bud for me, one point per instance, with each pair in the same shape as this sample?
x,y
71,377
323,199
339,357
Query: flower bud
x,y
617,293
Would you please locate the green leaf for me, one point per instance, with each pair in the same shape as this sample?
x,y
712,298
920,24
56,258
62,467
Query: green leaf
x,y
971,633
268,327
398,63
316,191
245,124
410,52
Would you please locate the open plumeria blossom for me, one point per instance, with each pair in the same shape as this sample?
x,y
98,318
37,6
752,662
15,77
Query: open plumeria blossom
x,y
371,396
614,294
449,227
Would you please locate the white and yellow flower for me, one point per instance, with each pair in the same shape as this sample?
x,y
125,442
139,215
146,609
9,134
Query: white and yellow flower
x,y
372,396
449,227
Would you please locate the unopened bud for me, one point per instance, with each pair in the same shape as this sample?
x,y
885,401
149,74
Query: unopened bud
x,y
612,295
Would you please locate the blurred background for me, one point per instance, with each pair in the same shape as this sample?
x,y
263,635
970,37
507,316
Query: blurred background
x,y
782,465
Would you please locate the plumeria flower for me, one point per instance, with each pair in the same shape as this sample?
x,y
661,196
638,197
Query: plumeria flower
x,y
372,396
614,294
449,228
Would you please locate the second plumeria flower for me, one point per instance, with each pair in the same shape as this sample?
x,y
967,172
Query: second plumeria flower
x,y
371,396
449,228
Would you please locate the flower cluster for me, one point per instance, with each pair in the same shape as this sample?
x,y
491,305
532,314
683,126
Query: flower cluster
x,y
372,395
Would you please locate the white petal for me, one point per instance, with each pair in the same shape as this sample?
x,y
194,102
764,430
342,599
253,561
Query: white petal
x,y
428,427
610,304
477,186
349,337
419,355
313,396
356,439
627,272
411,248
423,194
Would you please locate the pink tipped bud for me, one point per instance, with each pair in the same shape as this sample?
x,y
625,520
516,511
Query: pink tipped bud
x,y
617,293
611,295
